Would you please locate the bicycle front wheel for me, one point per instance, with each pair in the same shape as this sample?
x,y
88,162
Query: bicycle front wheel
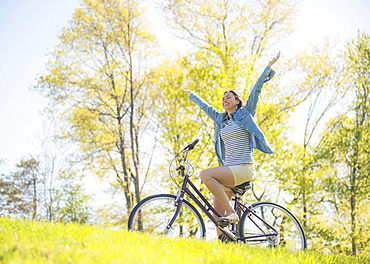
x,y
280,225
153,214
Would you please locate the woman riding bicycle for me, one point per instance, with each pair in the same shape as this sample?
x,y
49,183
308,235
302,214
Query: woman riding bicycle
x,y
237,134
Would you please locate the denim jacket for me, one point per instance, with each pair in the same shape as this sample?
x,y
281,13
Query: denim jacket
x,y
243,117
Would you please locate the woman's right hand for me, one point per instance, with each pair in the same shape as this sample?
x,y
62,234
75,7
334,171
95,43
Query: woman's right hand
x,y
187,90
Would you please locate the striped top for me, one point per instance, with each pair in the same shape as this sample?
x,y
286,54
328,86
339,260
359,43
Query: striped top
x,y
237,144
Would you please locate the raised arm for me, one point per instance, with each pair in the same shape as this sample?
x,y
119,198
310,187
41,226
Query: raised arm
x,y
267,74
209,110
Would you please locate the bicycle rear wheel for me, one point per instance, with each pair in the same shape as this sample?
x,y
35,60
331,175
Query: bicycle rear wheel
x,y
152,215
290,233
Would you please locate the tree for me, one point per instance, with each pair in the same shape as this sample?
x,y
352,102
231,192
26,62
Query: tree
x,y
9,194
19,190
225,27
98,80
39,188
52,151
72,202
345,150
319,88
230,41
226,55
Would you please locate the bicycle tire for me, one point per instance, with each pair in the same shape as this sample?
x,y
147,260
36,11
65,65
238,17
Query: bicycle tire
x,y
290,232
152,215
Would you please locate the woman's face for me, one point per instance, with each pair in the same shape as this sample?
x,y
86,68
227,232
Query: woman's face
x,y
229,102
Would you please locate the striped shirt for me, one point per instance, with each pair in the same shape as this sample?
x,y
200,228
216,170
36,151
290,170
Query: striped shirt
x,y
237,144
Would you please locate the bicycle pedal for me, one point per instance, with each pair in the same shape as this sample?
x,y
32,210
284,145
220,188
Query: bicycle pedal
x,y
223,238
223,223
227,236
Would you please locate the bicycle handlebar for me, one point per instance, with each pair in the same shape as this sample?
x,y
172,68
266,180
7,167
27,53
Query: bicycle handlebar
x,y
191,146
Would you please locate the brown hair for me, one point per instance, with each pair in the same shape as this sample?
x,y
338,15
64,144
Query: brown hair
x,y
238,97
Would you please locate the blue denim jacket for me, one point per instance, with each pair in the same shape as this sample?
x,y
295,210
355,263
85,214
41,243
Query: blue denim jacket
x,y
243,117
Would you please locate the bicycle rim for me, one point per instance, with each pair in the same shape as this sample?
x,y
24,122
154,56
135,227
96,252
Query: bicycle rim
x,y
289,235
152,215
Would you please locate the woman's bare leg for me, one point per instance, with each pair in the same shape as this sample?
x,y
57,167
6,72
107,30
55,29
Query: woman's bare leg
x,y
220,209
214,179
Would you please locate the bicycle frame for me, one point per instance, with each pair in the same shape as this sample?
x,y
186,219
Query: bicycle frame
x,y
209,210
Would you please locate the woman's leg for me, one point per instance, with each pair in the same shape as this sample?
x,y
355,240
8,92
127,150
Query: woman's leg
x,y
215,179
220,209
218,206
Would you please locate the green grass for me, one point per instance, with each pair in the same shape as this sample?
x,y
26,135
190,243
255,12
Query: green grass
x,y
23,241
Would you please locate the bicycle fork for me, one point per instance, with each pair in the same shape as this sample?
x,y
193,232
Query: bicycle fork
x,y
178,204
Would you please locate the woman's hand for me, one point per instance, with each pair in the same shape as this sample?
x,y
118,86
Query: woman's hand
x,y
272,62
187,90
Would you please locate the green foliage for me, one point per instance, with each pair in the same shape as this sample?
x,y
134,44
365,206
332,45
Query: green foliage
x,y
235,24
25,194
19,190
98,80
35,242
296,173
345,151
73,203
347,183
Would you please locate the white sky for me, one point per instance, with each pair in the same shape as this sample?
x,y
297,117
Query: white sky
x,y
29,28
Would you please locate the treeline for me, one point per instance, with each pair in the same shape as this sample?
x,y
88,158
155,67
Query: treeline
x,y
116,98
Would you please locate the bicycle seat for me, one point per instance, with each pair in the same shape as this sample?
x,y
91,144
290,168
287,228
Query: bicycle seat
x,y
241,188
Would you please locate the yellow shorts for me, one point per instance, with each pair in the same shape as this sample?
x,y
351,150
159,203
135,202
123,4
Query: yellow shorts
x,y
242,173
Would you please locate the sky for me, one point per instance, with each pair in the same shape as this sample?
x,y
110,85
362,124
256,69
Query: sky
x,y
29,29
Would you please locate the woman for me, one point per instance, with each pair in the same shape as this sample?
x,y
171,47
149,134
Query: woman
x,y
237,134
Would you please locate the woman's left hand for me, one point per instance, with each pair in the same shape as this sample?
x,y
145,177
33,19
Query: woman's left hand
x,y
272,62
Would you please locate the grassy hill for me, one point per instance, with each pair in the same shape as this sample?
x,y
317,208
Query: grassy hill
x,y
23,241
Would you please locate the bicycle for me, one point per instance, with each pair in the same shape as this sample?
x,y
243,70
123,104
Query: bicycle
x,y
264,224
